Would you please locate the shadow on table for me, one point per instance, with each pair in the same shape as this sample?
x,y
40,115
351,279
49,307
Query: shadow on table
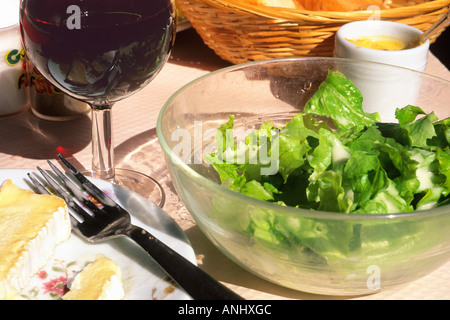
x,y
27,136
190,50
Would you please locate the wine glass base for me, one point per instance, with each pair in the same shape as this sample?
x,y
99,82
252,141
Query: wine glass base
x,y
139,183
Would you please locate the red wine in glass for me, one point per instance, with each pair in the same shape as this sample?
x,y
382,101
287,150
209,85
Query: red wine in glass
x,y
100,52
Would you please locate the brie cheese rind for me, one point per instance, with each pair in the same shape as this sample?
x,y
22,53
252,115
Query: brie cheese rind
x,y
99,280
31,226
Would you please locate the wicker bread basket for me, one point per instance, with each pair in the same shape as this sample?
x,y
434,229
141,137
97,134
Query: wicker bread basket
x,y
240,32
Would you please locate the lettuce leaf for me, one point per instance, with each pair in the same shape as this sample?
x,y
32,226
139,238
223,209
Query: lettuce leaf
x,y
339,99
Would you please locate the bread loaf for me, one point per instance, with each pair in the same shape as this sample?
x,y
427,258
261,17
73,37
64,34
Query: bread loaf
x,y
292,4
338,5
318,5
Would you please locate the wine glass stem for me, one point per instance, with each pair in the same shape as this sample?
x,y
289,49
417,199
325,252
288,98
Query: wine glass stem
x,y
102,143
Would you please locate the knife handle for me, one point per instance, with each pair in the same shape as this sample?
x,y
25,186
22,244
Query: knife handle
x,y
196,282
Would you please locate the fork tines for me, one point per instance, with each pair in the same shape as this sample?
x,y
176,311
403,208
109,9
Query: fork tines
x,y
92,188
85,205
81,214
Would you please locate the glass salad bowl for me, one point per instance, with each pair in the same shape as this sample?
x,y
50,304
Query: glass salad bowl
x,y
301,201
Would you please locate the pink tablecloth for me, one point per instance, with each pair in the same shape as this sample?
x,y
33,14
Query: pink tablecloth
x,y
27,141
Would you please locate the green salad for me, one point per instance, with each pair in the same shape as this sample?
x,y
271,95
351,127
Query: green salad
x,y
335,157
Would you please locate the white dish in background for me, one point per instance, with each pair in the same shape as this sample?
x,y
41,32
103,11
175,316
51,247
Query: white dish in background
x,y
383,89
414,58
142,278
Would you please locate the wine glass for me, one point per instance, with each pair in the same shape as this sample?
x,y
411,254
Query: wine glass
x,y
100,52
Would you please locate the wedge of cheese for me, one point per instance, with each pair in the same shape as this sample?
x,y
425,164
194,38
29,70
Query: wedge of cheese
x,y
31,225
99,280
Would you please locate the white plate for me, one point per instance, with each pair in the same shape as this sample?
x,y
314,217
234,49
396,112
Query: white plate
x,y
143,279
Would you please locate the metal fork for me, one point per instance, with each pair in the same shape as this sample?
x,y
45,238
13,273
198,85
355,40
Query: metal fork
x,y
103,219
